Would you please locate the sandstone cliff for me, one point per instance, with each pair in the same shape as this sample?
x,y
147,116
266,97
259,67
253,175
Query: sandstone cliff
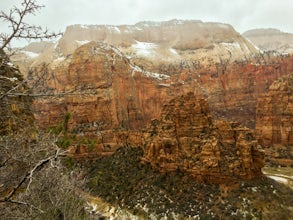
x,y
156,42
274,121
271,40
110,91
187,138
103,91
112,101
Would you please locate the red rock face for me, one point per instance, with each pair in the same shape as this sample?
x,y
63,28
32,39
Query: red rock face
x,y
111,100
103,92
233,94
186,138
274,124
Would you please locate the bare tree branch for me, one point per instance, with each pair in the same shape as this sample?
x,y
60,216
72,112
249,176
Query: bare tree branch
x,y
19,29
30,173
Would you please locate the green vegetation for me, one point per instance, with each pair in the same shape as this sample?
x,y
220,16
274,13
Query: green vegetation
x,y
122,179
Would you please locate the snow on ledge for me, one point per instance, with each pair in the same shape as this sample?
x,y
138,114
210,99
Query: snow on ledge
x,y
30,54
149,74
173,51
233,45
82,42
114,29
13,79
279,179
144,48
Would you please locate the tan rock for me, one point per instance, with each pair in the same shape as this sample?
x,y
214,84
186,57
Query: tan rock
x,y
186,138
274,120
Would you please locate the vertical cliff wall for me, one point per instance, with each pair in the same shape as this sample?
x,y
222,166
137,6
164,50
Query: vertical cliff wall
x,y
274,120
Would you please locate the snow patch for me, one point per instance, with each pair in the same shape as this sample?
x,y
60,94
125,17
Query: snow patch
x,y
30,54
84,26
279,179
13,79
234,45
59,59
165,84
148,74
82,42
10,64
144,48
173,51
114,29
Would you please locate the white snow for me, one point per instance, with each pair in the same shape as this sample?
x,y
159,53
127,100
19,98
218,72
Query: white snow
x,y
82,42
165,84
173,51
13,79
148,74
10,64
279,179
114,29
30,54
144,48
84,26
131,29
59,59
233,45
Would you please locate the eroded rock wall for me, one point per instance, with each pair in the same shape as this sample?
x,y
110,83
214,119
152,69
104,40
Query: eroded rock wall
x,y
274,121
186,138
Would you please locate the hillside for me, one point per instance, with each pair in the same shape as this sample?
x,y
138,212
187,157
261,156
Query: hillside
x,y
271,40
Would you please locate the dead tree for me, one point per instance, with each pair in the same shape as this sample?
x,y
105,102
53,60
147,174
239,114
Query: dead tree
x,y
18,28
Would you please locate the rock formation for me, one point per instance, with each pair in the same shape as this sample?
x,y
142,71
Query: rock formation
x,y
274,121
103,91
187,138
108,95
271,40
154,42
112,92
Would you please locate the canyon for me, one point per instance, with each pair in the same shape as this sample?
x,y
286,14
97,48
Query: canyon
x,y
156,106
115,87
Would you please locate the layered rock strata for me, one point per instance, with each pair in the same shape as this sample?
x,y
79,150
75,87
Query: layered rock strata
x,y
186,138
274,121
270,39
104,93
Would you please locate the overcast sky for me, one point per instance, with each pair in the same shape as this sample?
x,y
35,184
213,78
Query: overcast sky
x,y
241,14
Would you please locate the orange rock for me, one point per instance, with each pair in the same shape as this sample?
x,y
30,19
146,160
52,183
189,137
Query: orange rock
x,y
186,138
274,120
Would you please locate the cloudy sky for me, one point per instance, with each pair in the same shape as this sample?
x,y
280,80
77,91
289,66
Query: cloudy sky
x,y
241,14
